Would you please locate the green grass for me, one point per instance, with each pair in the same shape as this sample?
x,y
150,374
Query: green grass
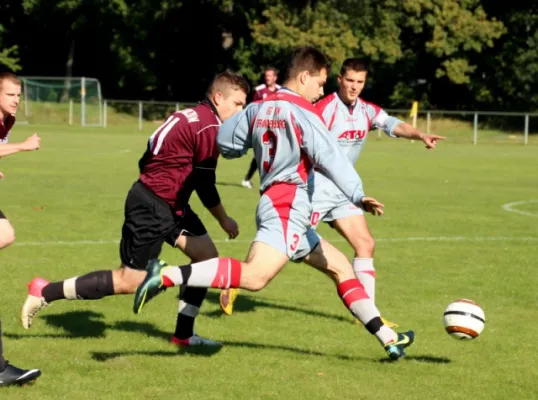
x,y
441,239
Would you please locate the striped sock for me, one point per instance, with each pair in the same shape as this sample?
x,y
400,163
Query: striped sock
x,y
362,307
365,272
220,273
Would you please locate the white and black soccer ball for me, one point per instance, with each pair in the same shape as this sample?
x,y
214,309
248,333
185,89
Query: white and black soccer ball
x,y
464,319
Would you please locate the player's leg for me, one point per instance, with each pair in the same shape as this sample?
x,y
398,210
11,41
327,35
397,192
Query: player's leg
x,y
250,173
276,241
334,263
194,241
142,237
350,222
11,375
7,233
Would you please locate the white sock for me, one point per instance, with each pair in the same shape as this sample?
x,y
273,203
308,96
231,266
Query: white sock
x,y
365,273
386,335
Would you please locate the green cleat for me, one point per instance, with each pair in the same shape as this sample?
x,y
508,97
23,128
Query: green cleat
x,y
395,350
151,286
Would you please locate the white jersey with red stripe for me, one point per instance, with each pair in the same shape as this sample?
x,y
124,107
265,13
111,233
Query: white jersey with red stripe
x,y
288,136
349,126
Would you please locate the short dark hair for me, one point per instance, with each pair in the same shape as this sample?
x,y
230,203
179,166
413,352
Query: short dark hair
x,y
354,64
228,80
8,76
306,58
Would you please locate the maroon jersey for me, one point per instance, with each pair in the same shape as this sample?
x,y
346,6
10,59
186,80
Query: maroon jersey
x,y
182,157
262,91
5,126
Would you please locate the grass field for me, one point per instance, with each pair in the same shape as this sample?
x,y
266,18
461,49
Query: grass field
x,y
445,235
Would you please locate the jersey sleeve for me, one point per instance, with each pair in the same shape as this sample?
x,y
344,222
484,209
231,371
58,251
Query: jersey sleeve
x,y
205,159
234,137
381,120
325,154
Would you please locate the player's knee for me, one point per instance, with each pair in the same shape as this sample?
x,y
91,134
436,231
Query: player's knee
x,y
7,236
256,283
365,243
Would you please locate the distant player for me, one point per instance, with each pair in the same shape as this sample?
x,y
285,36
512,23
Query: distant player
x,y
288,137
270,86
10,94
349,119
181,157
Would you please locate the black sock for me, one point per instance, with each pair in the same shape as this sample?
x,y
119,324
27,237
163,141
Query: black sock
x,y
253,167
185,320
374,325
2,360
92,286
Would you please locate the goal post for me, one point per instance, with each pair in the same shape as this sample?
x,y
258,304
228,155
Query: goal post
x,y
61,100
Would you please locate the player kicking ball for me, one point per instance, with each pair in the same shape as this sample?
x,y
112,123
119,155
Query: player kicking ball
x,y
288,137
349,119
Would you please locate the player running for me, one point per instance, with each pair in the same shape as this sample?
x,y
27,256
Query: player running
x,y
288,137
349,119
181,157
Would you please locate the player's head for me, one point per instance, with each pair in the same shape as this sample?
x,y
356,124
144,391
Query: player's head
x,y
10,93
228,93
352,79
307,72
270,76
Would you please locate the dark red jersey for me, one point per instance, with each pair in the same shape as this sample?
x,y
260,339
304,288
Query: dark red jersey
x,y
5,127
182,157
262,91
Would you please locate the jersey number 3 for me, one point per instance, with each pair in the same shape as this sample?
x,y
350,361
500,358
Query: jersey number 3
x,y
269,140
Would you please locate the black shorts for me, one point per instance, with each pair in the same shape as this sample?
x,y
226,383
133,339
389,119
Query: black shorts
x,y
149,222
2,215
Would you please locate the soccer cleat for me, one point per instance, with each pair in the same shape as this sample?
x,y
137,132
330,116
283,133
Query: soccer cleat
x,y
151,286
246,184
16,376
395,349
34,301
194,340
386,322
227,298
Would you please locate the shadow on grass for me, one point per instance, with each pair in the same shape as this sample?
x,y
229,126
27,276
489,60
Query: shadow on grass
x,y
246,303
207,351
421,359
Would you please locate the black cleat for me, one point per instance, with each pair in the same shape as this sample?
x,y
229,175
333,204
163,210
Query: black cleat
x,y
16,376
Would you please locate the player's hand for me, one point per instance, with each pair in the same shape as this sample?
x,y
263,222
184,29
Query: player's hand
x,y
229,226
372,206
1,174
431,140
32,143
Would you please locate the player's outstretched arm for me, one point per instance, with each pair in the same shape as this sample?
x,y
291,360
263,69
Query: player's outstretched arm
x,y
404,130
31,143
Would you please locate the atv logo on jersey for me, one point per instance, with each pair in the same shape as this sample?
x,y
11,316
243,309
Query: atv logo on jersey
x,y
352,135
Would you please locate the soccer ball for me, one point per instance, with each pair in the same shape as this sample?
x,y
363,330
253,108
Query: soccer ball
x,y
464,319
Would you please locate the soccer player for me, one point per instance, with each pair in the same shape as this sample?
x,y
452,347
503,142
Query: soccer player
x,y
10,94
349,119
270,86
288,137
180,158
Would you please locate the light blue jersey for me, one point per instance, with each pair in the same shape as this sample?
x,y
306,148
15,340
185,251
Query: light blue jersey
x,y
289,138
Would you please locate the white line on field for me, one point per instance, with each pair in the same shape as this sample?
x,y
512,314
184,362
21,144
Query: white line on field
x,y
395,239
511,207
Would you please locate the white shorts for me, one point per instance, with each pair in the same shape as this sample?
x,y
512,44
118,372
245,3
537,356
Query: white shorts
x,y
327,208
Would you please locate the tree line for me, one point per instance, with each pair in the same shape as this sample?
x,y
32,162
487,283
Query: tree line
x,y
447,54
